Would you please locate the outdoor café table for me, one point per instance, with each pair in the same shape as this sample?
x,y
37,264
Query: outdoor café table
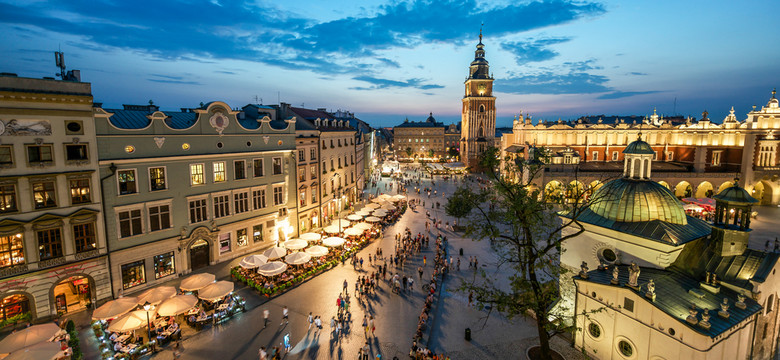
x,y
193,311
222,307
123,338
128,348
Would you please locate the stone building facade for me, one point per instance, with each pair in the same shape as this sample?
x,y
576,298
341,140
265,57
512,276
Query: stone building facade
x,y
52,239
478,113
193,188
420,139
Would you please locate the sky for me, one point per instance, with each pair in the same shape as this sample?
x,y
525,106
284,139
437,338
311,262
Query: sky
x,y
389,60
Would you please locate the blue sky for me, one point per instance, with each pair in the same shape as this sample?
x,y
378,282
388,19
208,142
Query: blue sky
x,y
390,60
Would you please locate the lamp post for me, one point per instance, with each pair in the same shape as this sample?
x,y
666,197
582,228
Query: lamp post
x,y
148,307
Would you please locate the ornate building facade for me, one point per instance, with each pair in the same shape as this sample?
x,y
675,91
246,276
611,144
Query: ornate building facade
x,y
691,158
478,114
52,240
420,139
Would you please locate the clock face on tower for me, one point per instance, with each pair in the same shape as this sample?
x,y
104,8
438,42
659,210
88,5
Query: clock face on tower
x,y
481,88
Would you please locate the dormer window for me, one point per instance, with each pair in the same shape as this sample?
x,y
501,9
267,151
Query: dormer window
x,y
317,122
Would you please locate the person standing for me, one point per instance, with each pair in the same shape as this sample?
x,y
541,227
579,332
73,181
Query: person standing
x,y
366,350
266,314
262,353
371,326
318,323
345,285
285,315
420,271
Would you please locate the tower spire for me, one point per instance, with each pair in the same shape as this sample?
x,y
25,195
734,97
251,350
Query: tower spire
x,y
480,32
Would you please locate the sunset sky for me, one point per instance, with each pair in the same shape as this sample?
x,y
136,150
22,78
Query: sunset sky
x,y
390,60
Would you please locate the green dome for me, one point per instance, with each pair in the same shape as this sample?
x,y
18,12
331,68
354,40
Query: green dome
x,y
628,200
735,194
639,147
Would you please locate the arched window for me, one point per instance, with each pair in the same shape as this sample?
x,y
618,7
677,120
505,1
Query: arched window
x,y
647,169
482,108
480,132
770,303
635,168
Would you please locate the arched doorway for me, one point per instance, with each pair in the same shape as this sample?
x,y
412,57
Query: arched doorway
x,y
762,191
199,254
683,190
575,190
72,294
16,307
553,191
704,190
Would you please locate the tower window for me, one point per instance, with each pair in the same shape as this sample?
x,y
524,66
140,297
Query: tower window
x,y
482,108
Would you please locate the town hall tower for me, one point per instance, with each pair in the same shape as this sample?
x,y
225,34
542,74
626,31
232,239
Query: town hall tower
x,y
478,116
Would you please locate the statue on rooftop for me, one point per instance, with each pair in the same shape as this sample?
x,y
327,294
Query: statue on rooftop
x,y
615,273
724,309
584,270
633,275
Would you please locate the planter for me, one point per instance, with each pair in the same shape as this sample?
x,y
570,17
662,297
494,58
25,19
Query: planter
x,y
533,353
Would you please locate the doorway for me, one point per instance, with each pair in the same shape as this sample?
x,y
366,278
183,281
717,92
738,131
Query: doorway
x,y
199,254
72,295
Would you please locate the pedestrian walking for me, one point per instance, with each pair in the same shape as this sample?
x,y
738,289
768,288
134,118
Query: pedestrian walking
x,y
425,260
366,350
311,321
285,315
318,323
420,271
266,314
332,323
287,345
371,325
345,285
262,353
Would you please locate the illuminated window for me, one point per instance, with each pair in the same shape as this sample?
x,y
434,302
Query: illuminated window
x,y
43,194
157,179
11,250
133,274
8,198
257,233
164,265
84,237
716,158
219,171
196,174
79,191
126,180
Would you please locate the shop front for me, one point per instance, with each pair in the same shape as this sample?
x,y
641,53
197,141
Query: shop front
x,y
73,294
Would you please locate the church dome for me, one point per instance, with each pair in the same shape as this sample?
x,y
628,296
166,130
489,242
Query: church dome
x,y
638,147
735,194
628,200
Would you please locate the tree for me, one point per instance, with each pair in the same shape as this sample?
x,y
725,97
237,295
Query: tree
x,y
526,232
453,152
409,152
430,153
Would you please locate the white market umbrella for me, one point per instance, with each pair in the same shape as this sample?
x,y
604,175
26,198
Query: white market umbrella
x,y
388,207
354,232
364,212
311,236
156,295
275,252
382,213
354,217
400,197
196,282
272,268
344,223
28,336
216,291
40,351
333,241
378,200
362,225
693,207
317,250
373,219
385,196
253,261
297,258
176,305
115,308
296,244
331,229
131,321
372,206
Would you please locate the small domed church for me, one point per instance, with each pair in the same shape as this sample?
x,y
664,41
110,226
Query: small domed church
x,y
654,283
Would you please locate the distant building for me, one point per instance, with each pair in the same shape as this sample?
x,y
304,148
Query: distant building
x,y
52,240
420,140
187,189
478,114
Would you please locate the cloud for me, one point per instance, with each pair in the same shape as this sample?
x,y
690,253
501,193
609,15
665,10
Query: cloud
x,y
225,72
624,94
548,82
533,50
636,73
389,63
182,82
379,83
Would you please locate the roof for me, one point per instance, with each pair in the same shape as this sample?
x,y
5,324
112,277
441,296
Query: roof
x,y
673,298
656,230
735,194
129,119
700,257
629,200
420,124
638,146
310,114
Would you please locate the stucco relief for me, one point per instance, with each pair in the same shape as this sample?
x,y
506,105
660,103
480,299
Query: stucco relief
x,y
16,127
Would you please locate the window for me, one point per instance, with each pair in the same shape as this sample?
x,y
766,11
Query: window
x,y
130,223
628,304
258,199
331,143
339,163
84,236
339,142
302,198
351,160
133,274
608,255
313,154
313,172
76,152
6,155
257,233
258,167
79,191
277,195
241,202
594,330
655,155
164,265
331,165
43,194
277,162
39,154
313,194
241,237
352,177
126,180
219,171
669,156
157,179
8,198
11,250
324,168
198,211
224,243
614,156
302,174
301,155
625,348
49,243
196,174
595,155
221,206
239,173
716,158
159,217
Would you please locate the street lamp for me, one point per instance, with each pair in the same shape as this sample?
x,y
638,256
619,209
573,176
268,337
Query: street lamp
x,y
148,307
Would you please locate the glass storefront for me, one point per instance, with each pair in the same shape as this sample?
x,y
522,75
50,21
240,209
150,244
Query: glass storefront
x,y
224,243
72,295
241,237
164,265
14,306
133,274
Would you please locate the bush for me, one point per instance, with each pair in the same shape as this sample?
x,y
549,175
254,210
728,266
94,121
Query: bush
x,y
70,326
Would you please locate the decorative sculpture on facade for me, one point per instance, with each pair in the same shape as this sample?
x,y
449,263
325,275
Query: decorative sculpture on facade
x,y
584,270
650,294
724,309
633,276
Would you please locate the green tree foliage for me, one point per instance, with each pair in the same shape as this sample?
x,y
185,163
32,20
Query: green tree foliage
x,y
526,233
